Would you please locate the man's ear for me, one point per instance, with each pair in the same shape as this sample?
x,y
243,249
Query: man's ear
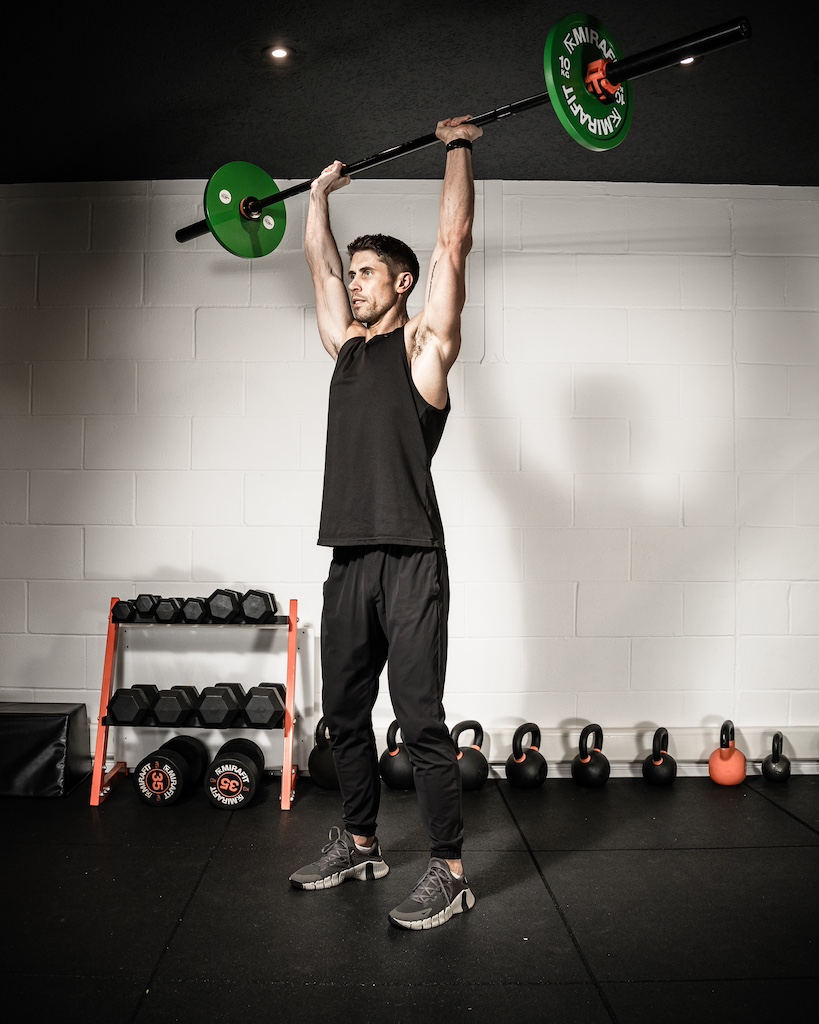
x,y
403,282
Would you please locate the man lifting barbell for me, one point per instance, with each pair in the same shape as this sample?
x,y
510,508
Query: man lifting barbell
x,y
387,593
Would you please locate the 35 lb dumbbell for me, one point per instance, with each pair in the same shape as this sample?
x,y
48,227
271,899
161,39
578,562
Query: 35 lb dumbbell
x,y
165,774
233,777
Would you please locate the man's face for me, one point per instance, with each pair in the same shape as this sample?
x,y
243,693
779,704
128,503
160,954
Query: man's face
x,y
373,290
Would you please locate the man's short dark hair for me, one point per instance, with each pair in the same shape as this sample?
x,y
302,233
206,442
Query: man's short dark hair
x,y
396,254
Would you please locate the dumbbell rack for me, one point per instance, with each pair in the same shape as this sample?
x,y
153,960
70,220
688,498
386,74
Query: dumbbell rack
x,y
102,782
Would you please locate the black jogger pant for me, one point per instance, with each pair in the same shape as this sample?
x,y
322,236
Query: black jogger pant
x,y
389,605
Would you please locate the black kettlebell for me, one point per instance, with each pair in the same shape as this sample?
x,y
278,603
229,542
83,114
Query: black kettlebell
x,y
660,768
590,767
776,767
395,765
473,765
320,763
526,769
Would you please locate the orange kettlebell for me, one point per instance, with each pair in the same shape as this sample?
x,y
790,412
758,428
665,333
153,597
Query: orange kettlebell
x,y
726,765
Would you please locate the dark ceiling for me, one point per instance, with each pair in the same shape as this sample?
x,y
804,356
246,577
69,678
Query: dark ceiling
x,y
174,90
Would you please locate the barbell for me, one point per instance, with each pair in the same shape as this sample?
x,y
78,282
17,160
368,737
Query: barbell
x,y
586,83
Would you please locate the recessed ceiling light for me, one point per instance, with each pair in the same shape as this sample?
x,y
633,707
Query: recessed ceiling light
x,y
687,60
278,52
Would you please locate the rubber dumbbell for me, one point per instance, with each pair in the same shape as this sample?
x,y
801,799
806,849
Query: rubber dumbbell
x,y
165,774
224,606
124,611
145,605
233,777
168,609
263,707
132,705
220,706
194,611
258,607
176,707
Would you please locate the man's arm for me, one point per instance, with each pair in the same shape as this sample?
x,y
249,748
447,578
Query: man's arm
x,y
332,300
438,334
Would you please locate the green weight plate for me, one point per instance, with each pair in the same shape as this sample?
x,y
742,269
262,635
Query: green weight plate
x,y
572,44
224,192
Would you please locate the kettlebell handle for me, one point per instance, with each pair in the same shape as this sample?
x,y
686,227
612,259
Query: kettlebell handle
x,y
776,747
659,745
392,737
527,729
726,734
322,739
477,741
587,731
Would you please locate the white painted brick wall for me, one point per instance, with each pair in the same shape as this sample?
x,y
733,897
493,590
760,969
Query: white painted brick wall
x,y
629,478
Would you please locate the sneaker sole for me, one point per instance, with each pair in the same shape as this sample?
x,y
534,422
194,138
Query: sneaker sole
x,y
365,872
463,901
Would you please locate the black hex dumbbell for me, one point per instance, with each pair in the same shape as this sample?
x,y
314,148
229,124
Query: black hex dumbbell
x,y
220,706
263,707
194,611
233,777
176,707
145,605
165,774
168,609
124,611
132,705
225,606
258,607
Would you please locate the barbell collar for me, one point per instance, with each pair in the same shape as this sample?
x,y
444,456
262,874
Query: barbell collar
x,y
669,54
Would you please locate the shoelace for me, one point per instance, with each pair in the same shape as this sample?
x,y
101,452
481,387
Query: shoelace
x,y
433,882
336,851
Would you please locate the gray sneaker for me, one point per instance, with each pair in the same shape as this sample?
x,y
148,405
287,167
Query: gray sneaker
x,y
340,860
436,897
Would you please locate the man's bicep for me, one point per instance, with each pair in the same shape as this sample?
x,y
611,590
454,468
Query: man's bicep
x,y
333,314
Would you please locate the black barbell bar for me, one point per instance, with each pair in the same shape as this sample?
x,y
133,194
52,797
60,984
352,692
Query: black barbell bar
x,y
616,72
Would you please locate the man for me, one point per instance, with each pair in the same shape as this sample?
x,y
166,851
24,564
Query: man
x,y
386,597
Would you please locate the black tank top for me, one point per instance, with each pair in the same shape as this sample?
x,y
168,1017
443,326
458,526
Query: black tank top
x,y
381,437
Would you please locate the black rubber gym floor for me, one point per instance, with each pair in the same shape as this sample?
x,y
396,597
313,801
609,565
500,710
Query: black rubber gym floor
x,y
626,903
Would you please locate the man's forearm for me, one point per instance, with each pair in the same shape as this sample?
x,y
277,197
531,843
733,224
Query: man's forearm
x,y
457,208
320,247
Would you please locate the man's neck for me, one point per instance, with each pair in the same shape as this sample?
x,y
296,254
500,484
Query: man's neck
x,y
388,323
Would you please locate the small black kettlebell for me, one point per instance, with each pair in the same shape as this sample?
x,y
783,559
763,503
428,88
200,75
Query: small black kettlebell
x,y
474,766
320,763
776,767
660,768
395,765
526,769
591,767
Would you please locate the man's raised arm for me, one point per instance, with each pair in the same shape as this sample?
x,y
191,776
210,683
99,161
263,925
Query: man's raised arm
x,y
332,301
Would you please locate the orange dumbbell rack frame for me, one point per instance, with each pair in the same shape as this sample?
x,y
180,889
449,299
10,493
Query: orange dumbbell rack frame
x,y
102,781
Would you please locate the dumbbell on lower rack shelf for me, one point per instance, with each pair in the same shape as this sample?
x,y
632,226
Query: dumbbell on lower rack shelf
x,y
227,705
132,705
165,774
176,707
233,777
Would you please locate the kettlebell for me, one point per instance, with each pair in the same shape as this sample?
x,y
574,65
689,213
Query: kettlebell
x,y
726,765
591,767
395,765
474,766
776,767
320,763
526,769
660,768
